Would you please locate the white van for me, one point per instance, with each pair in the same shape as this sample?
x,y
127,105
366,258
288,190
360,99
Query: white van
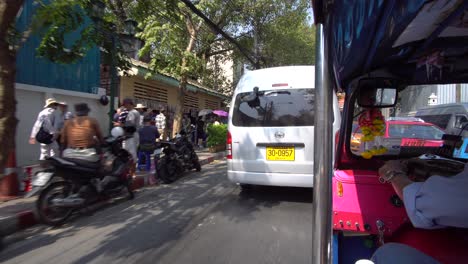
x,y
271,132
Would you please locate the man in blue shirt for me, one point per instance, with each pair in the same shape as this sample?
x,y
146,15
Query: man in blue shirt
x,y
148,135
436,203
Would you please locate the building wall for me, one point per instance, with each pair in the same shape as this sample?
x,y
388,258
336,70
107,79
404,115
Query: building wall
x,y
81,76
128,84
30,101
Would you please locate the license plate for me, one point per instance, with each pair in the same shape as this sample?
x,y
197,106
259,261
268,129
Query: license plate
x,y
412,142
280,153
41,178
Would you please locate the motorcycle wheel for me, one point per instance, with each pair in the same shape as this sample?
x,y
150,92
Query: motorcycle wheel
x,y
196,165
131,193
167,171
196,162
49,214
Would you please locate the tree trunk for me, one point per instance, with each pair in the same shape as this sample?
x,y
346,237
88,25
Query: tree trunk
x,y
184,79
180,105
8,121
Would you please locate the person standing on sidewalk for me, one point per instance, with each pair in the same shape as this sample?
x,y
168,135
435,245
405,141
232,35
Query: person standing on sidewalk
x,y
131,125
148,135
200,132
61,114
142,110
46,121
161,124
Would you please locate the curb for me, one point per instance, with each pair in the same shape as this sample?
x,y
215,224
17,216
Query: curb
x,y
26,219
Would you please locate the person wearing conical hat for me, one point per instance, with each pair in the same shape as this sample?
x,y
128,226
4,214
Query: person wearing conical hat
x,y
46,120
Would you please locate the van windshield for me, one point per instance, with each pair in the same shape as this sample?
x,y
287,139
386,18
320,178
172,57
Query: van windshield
x,y
275,108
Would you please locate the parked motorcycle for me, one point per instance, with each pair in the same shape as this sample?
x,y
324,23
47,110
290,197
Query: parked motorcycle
x,y
174,157
71,184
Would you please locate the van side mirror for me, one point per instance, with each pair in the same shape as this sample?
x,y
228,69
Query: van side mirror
x,y
377,92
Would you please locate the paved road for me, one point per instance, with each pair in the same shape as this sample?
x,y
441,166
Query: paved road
x,y
203,218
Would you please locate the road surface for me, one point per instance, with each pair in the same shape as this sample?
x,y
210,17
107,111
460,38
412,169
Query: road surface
x,y
202,218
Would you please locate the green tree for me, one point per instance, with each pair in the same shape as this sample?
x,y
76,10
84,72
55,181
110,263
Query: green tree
x,y
179,42
271,33
278,32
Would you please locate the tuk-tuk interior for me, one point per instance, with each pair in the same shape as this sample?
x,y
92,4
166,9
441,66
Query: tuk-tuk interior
x,y
389,57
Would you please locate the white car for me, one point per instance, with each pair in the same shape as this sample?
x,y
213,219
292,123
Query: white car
x,y
271,132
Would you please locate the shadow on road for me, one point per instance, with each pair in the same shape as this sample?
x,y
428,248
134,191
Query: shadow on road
x,y
154,222
243,205
151,223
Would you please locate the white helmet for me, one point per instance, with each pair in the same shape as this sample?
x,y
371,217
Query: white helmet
x,y
117,132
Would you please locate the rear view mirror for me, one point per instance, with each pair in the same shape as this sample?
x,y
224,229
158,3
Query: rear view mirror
x,y
377,92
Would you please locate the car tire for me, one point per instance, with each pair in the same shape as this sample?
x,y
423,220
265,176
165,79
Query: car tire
x,y
246,188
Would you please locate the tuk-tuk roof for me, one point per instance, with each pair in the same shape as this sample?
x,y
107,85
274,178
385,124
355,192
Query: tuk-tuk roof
x,y
420,41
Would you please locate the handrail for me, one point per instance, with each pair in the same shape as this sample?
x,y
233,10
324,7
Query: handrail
x,y
323,154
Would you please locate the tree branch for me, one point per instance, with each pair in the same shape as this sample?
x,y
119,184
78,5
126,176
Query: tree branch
x,y
214,27
218,52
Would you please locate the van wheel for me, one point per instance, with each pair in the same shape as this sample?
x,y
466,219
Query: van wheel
x,y
246,188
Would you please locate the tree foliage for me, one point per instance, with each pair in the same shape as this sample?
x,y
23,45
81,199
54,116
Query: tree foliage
x,y
55,22
278,32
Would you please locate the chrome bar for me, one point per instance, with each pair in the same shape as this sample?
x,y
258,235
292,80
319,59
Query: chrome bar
x,y
323,154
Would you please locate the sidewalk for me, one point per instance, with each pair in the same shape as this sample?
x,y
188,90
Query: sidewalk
x,y
20,213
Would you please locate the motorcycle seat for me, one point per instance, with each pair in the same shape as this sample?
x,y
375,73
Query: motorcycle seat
x,y
84,163
62,161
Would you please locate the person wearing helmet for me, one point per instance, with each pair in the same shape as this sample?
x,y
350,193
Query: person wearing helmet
x,y
78,136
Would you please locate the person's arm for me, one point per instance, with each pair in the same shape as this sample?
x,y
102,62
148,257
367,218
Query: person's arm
x,y
436,203
399,182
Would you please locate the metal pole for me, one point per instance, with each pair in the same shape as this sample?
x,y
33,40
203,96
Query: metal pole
x,y
113,76
323,149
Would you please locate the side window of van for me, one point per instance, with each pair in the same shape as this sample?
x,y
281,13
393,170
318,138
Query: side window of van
x,y
460,121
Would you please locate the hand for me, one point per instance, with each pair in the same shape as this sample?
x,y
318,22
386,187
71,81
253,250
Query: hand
x,y
391,167
32,141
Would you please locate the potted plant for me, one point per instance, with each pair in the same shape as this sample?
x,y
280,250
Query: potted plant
x,y
217,137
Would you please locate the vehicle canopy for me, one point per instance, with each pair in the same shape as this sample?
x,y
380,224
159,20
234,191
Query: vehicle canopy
x,y
404,38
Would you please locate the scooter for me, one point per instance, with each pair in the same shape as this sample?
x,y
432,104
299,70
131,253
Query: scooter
x,y
71,184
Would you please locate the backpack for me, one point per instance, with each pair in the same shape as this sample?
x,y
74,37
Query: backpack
x,y
43,136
